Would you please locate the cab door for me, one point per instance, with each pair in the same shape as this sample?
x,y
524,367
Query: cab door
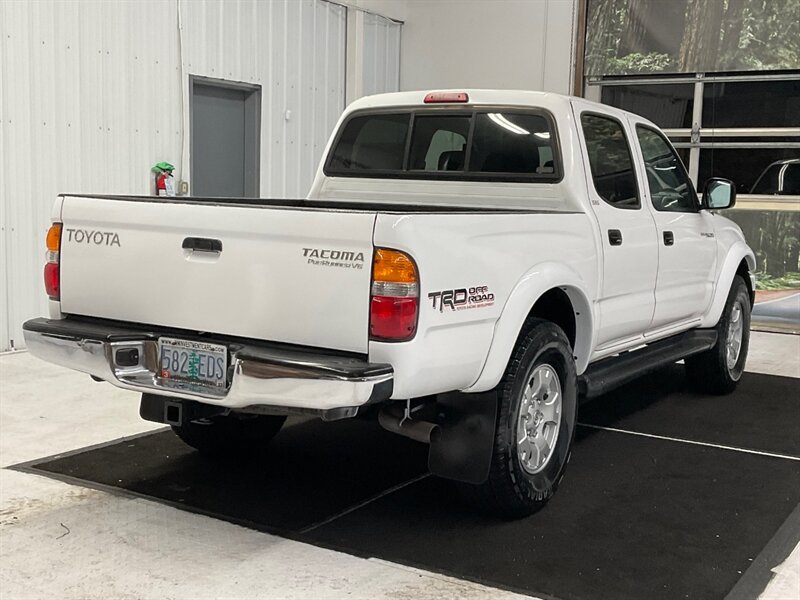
x,y
687,249
628,233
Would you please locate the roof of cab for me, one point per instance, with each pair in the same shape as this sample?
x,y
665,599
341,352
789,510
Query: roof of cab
x,y
416,98
479,97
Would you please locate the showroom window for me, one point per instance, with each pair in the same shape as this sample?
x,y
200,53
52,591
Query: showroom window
x,y
744,127
722,79
732,125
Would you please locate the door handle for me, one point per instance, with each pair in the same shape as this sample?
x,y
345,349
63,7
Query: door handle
x,y
197,244
669,238
615,237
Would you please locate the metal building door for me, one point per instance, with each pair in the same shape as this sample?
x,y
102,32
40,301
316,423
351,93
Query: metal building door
x,y
225,139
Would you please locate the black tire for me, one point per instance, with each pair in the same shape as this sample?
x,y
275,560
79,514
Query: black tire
x,y
511,491
708,372
236,436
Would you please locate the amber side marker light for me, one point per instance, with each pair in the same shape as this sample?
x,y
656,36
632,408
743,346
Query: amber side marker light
x,y
52,269
394,301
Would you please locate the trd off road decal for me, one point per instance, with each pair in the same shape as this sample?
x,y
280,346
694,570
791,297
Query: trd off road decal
x,y
343,259
462,298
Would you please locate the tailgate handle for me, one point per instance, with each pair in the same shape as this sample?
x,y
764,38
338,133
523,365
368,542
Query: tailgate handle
x,y
202,244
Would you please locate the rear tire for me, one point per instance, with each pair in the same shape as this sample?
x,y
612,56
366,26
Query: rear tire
x,y
524,475
719,369
231,436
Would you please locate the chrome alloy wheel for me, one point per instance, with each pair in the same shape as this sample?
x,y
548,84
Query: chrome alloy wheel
x,y
733,344
539,418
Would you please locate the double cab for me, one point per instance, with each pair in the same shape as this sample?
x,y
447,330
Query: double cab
x,y
467,265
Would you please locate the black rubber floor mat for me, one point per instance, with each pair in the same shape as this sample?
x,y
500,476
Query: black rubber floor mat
x,y
634,518
762,414
314,470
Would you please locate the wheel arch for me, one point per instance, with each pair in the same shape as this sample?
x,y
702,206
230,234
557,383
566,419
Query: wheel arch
x,y
550,291
740,260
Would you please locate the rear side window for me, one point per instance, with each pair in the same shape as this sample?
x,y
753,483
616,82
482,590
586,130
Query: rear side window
x,y
610,161
517,145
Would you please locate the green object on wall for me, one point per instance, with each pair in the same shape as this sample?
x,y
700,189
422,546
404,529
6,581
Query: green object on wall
x,y
163,166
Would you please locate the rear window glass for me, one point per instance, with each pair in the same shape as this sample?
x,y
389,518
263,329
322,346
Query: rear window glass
x,y
510,143
374,142
439,143
468,145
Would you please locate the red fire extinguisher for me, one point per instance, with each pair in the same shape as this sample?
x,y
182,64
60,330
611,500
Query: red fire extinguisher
x,y
164,182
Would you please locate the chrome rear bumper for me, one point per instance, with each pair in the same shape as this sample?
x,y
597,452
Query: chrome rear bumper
x,y
259,375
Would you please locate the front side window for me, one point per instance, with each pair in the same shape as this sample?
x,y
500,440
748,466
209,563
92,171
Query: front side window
x,y
456,144
610,161
669,184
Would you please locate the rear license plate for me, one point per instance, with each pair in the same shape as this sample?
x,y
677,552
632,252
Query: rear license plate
x,y
192,362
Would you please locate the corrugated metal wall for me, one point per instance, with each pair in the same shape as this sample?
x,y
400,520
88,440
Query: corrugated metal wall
x,y
296,50
93,93
381,57
91,99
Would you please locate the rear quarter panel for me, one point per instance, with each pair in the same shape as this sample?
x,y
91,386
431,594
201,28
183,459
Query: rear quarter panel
x,y
496,251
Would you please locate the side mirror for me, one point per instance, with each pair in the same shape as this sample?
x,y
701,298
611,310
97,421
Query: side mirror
x,y
719,193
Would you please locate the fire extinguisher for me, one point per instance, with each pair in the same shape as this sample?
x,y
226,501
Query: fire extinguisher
x,y
163,179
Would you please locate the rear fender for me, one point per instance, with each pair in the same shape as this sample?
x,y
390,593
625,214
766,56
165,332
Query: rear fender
x,y
529,289
736,254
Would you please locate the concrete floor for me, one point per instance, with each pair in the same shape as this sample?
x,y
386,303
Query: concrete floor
x,y
59,540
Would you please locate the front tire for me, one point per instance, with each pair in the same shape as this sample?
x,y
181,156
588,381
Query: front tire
x,y
231,436
535,424
719,369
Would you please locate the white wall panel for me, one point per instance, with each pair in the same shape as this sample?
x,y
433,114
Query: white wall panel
x,y
294,49
381,55
505,44
90,100
92,94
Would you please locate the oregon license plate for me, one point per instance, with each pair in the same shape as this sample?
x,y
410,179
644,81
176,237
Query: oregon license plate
x,y
192,362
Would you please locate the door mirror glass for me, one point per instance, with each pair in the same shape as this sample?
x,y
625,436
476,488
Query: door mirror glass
x,y
719,194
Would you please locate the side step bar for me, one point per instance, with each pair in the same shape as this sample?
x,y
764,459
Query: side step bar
x,y
610,373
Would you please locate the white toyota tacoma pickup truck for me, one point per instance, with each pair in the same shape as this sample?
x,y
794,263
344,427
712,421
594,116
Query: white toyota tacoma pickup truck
x,y
467,265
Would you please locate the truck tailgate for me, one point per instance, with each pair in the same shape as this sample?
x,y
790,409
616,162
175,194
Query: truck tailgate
x,y
293,275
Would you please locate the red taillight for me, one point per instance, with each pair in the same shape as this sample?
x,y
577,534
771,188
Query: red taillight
x,y
52,271
435,97
395,297
52,280
393,318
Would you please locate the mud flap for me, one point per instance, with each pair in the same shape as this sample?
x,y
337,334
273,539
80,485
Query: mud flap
x,y
462,450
